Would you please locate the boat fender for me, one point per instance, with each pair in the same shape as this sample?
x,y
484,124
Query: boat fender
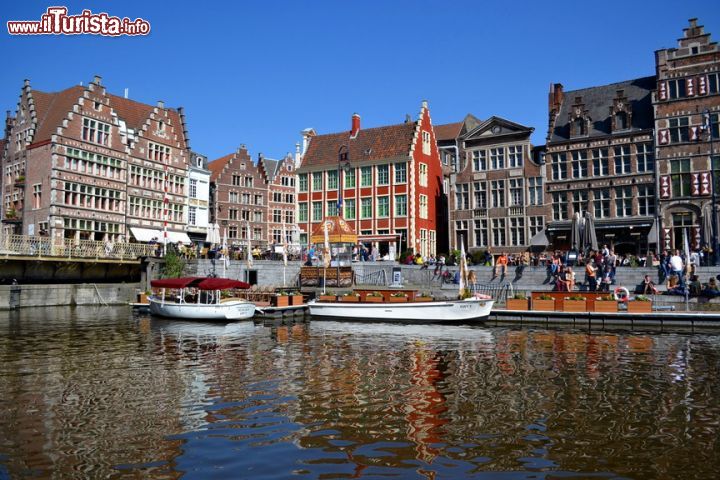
x,y
621,294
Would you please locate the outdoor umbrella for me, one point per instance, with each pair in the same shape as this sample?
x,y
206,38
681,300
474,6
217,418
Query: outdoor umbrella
x,y
575,241
589,238
707,224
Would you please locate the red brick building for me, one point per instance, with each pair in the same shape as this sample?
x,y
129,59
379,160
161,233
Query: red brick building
x,y
687,119
279,177
390,179
239,198
85,164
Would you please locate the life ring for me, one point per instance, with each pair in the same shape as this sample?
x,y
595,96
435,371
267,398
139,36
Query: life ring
x,y
624,291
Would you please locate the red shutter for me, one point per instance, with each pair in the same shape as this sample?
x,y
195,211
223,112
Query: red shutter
x,y
695,184
694,133
662,91
704,183
702,85
665,190
691,87
695,234
668,238
664,136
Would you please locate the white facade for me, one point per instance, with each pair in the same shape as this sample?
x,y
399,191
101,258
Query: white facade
x,y
198,208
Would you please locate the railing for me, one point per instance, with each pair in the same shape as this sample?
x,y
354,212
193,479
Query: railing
x,y
378,278
41,247
499,293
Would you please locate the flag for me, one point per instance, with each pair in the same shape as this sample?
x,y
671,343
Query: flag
x,y
326,253
249,250
463,267
285,245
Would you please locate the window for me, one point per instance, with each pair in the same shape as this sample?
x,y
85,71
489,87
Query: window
x,y
480,195
317,181
245,199
497,158
245,215
303,212
233,214
193,188
383,207
331,208
558,165
158,153
679,131
497,193
349,208
602,203
423,175
317,211
365,176
716,166
37,195
498,232
423,207
600,162
277,215
535,191
622,160
645,157
714,122
623,201
517,231
560,205
289,216
535,225
462,196
366,208
233,231
248,182
400,172
383,174
580,125
258,199
96,132
400,205
350,178
621,120
680,177
479,160
236,180
677,88
192,216
426,143
579,164
515,156
257,217
332,180
303,182
579,200
481,233
516,192
646,200
277,236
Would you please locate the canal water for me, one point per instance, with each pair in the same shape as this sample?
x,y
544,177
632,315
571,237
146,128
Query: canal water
x,y
100,393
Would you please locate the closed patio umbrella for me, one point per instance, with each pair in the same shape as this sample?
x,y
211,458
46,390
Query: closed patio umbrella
x,y
707,224
589,237
575,242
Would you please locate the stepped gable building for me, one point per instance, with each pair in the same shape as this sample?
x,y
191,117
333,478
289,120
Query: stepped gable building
x,y
85,164
279,176
496,186
390,179
238,195
687,110
601,158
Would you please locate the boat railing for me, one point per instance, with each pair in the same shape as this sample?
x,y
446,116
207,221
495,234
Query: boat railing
x,y
377,278
499,292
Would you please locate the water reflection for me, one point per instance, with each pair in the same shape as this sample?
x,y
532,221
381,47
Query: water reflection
x,y
97,392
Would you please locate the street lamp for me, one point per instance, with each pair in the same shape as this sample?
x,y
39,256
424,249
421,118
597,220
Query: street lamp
x,y
342,157
709,126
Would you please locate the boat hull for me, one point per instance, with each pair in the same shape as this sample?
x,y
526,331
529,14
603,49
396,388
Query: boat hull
x,y
231,310
412,312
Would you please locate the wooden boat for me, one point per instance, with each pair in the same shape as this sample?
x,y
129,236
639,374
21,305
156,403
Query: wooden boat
x,y
476,308
199,298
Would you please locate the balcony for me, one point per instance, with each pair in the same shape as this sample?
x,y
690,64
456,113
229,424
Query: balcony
x,y
516,211
480,213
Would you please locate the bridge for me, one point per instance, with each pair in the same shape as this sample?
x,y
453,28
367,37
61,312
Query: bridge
x,y
39,248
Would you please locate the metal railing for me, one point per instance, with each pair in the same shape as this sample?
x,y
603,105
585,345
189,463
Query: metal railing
x,y
499,293
378,278
67,248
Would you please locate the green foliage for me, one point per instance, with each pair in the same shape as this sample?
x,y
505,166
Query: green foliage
x,y
465,294
456,253
374,294
607,298
520,296
478,257
545,297
579,298
642,298
174,265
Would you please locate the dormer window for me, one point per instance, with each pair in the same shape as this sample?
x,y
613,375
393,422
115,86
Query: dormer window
x,y
621,112
199,162
161,126
578,119
620,121
579,126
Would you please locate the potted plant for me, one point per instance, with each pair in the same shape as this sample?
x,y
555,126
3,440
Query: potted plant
x,y
350,297
640,304
398,297
544,303
424,297
280,299
374,297
142,297
605,304
574,303
324,297
20,179
519,301
296,298
11,214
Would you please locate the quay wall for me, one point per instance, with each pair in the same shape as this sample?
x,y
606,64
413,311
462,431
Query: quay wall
x,y
21,296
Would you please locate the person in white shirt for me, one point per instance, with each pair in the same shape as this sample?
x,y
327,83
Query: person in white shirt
x,y
676,265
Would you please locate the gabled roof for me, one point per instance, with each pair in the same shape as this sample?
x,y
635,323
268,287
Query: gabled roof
x,y
448,131
598,101
496,127
216,166
134,113
370,144
51,109
270,167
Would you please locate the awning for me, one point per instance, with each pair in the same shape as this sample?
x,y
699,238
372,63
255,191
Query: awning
x,y
391,237
147,234
539,240
201,283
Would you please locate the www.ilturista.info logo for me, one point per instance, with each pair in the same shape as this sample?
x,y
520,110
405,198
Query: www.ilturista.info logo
x,y
56,21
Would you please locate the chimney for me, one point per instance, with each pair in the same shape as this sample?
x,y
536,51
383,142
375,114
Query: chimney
x,y
97,80
306,134
297,154
127,92
355,125
161,104
556,97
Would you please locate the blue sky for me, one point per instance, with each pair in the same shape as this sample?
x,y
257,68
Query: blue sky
x,y
258,72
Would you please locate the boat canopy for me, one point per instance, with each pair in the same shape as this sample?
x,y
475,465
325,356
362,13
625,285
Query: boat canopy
x,y
201,283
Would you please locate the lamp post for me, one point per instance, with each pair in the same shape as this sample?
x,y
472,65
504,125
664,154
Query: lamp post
x,y
714,246
342,157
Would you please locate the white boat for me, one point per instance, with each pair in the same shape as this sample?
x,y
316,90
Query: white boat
x,y
199,298
470,309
